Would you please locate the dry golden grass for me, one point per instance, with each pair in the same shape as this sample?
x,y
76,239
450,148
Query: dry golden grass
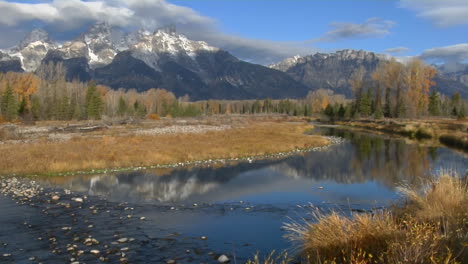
x,y
431,228
113,151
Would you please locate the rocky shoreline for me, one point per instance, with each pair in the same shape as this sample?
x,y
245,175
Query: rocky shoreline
x,y
67,227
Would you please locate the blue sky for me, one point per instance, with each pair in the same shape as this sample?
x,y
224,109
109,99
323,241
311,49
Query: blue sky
x,y
300,20
264,31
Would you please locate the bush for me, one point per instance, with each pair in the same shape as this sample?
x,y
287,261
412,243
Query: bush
x,y
431,228
153,117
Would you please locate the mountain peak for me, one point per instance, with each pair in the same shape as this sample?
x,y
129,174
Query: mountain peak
x,y
35,35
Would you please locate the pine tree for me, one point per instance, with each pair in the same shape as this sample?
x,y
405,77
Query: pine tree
x,y
387,111
122,107
329,111
434,103
456,101
378,114
140,109
9,104
36,109
93,102
341,112
365,105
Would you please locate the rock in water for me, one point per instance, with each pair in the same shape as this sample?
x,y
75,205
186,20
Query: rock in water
x,y
223,259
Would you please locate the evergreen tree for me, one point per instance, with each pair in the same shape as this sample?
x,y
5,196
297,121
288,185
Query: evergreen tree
x,y
329,111
122,107
140,109
365,105
378,114
9,104
456,102
36,109
341,112
434,103
461,113
387,111
22,110
93,102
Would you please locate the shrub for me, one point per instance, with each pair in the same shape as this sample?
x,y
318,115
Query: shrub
x,y
153,117
431,228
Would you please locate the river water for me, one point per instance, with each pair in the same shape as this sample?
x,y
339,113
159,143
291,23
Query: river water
x,y
242,207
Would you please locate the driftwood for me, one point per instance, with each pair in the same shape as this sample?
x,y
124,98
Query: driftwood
x,y
79,128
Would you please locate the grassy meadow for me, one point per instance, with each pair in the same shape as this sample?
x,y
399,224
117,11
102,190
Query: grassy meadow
x,y
114,149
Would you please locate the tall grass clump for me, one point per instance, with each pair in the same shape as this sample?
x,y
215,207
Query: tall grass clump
x,y
430,227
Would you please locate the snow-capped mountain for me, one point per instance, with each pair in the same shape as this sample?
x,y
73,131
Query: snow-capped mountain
x,y
287,63
142,60
166,59
32,49
154,48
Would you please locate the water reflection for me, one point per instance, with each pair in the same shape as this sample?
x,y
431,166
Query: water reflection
x,y
364,170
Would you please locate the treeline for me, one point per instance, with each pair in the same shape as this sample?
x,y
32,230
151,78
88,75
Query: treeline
x,y
46,95
397,90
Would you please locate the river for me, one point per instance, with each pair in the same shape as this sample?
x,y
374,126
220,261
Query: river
x,y
239,207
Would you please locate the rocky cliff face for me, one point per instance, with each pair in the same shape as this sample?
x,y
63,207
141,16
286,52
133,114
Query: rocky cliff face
x,y
329,70
7,63
333,71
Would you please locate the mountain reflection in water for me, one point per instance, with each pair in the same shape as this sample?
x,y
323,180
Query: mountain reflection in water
x,y
364,169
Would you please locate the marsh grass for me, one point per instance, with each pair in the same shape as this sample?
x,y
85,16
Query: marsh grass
x,y
93,152
431,227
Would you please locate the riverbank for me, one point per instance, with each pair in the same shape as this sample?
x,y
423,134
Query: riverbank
x,y
154,144
450,132
429,226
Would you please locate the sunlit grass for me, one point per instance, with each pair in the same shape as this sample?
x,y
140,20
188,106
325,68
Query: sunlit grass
x,y
113,151
431,227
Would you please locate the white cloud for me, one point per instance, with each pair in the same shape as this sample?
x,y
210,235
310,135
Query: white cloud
x,y
397,50
453,57
74,15
373,27
441,12
453,53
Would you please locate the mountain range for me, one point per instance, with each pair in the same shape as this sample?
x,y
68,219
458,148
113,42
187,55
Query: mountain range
x,y
165,59
333,70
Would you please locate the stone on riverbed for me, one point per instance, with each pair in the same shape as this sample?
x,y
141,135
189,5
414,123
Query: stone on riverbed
x,y
223,259
77,199
123,240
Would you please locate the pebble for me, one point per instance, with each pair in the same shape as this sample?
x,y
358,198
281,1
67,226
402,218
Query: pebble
x,y
171,261
142,218
95,252
55,198
123,240
77,199
203,238
223,259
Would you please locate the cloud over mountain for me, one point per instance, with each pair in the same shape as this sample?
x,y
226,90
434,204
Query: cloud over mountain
x,y
373,27
69,16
